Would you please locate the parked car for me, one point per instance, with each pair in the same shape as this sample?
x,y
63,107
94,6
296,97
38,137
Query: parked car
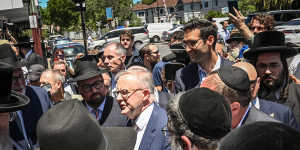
x,y
280,16
140,35
166,35
295,23
70,50
156,30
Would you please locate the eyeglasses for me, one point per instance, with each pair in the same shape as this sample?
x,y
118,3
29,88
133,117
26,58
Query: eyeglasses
x,y
257,27
126,94
191,43
264,67
89,87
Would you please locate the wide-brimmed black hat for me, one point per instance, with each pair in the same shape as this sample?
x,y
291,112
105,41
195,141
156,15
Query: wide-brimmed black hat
x,y
69,126
8,55
10,100
235,37
262,136
85,70
24,41
269,41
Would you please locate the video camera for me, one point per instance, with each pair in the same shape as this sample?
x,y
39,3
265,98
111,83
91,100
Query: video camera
x,y
177,59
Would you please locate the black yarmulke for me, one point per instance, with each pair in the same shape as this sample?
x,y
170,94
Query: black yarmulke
x,y
235,77
206,113
262,136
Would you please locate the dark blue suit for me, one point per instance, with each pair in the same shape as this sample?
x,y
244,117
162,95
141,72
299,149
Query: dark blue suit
x,y
39,104
278,112
156,136
188,77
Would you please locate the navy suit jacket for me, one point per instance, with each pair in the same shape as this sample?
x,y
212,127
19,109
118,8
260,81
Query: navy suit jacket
x,y
156,136
278,112
188,77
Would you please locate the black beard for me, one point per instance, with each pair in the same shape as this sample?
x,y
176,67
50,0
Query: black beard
x,y
276,85
95,102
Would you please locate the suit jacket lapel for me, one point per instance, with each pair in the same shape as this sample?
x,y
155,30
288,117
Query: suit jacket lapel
x,y
107,109
149,134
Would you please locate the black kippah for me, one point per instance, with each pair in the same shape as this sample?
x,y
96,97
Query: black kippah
x,y
235,77
205,112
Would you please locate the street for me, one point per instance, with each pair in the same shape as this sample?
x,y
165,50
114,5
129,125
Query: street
x,y
163,48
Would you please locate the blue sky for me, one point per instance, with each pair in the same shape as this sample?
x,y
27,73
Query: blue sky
x,y
43,3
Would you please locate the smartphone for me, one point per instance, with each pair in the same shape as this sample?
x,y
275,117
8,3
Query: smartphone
x,y
170,70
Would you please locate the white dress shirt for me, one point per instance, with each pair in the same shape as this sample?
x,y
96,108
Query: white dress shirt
x,y
203,74
141,124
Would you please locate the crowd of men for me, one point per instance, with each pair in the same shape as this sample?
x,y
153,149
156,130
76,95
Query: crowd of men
x,y
232,90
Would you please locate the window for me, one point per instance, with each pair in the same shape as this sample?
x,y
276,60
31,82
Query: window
x,y
161,11
192,6
216,2
201,6
171,9
141,14
205,4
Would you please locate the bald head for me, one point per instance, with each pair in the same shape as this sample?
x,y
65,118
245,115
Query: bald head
x,y
249,68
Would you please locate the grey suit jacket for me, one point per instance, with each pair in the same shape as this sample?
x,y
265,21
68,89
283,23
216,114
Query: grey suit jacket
x,y
255,115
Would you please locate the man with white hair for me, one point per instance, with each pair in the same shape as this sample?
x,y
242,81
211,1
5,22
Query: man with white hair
x,y
52,81
114,57
135,95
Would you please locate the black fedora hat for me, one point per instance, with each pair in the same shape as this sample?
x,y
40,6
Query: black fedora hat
x,y
8,56
269,41
262,136
85,70
235,37
10,100
69,126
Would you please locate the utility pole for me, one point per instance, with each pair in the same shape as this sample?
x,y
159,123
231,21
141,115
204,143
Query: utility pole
x,y
193,9
80,4
36,31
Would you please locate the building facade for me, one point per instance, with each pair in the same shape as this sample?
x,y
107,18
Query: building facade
x,y
176,10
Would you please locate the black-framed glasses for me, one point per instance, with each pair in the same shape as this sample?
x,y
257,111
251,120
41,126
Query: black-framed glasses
x,y
126,94
191,43
271,66
89,87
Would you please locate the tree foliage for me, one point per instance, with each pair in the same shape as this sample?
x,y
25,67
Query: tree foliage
x,y
62,13
267,5
147,2
246,6
214,14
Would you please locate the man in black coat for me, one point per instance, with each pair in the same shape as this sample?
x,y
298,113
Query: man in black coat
x,y
199,40
91,87
268,54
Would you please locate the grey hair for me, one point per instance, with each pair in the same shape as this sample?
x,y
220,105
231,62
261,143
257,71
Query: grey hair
x,y
56,75
116,47
177,128
142,74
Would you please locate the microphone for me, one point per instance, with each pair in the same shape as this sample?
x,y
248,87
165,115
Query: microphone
x,y
169,57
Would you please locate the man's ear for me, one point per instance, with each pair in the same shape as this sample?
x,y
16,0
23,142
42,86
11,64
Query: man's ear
x,y
187,142
210,40
235,108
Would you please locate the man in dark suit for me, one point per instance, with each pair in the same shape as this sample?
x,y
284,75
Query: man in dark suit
x,y
233,82
200,40
28,54
135,95
275,110
268,54
91,87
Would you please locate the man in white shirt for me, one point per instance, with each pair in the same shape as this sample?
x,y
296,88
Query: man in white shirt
x,y
135,95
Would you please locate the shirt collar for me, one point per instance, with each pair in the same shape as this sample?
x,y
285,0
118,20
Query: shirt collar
x,y
143,119
100,108
27,55
244,116
255,102
217,65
